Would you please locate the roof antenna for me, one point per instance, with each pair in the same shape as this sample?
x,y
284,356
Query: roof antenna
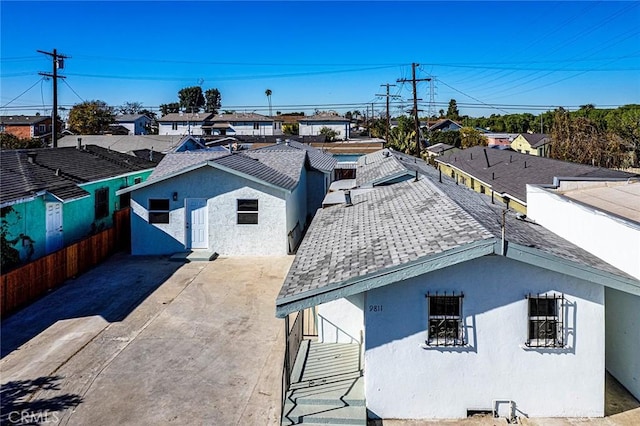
x,y
504,213
347,198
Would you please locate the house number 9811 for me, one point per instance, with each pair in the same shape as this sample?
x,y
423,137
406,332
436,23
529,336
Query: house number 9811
x,y
375,308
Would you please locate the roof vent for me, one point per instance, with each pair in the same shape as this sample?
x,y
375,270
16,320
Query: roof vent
x,y
347,198
278,141
31,157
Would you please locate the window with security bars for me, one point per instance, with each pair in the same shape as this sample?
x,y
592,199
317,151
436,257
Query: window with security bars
x,y
445,320
101,203
546,328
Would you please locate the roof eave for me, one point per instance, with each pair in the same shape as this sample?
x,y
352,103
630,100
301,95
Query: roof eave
x,y
287,305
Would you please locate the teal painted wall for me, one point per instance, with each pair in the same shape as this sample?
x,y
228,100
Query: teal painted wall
x,y
28,219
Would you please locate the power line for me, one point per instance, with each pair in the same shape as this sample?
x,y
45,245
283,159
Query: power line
x,y
31,87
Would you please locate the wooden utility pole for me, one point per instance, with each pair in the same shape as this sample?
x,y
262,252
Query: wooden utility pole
x,y
388,96
58,62
414,82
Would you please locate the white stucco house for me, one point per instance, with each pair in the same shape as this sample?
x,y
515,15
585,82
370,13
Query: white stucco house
x,y
312,125
244,203
242,124
183,123
602,218
457,307
135,123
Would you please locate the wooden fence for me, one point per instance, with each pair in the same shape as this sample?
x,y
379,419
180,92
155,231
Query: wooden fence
x,y
27,283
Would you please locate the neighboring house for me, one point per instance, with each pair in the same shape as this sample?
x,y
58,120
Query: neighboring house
x,y
504,174
251,124
602,218
532,143
445,125
439,149
500,139
458,307
183,123
253,202
129,144
27,126
137,124
312,125
53,197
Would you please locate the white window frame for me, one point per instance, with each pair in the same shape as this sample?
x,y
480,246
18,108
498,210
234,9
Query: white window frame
x,y
435,340
154,211
244,212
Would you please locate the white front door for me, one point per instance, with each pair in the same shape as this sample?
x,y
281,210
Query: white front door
x,y
54,236
196,223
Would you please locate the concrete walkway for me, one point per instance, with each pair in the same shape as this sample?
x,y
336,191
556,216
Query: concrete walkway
x,y
150,341
327,386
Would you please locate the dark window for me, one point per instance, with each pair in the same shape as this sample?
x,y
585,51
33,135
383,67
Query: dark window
x,y
102,203
247,212
137,180
159,210
482,189
545,321
174,126
256,126
445,320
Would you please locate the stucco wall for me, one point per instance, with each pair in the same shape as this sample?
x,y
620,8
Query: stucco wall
x,y
405,379
265,128
341,321
312,128
623,338
183,128
316,190
221,189
28,220
611,239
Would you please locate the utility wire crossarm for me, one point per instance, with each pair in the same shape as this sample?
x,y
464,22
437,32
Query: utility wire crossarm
x,y
414,81
58,63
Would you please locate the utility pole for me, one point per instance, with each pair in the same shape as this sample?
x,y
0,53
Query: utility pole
x,y
414,82
388,115
58,62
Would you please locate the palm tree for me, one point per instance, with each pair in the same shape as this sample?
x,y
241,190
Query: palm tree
x,y
268,93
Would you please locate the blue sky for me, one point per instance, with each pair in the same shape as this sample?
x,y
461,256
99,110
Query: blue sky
x,y
492,57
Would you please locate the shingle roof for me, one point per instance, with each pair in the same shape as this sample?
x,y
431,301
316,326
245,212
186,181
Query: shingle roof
x,y
60,170
391,226
318,159
22,119
126,118
240,116
323,117
125,143
381,166
509,172
186,116
536,139
277,168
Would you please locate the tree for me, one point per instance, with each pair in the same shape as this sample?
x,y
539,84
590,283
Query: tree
x,y
328,133
191,99
213,101
291,128
130,108
268,92
90,117
452,110
170,108
441,113
471,137
9,141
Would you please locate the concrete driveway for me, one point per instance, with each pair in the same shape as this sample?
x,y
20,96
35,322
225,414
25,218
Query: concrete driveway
x,y
150,341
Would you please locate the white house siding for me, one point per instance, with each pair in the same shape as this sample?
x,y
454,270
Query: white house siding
x,y
183,128
623,338
226,237
614,240
265,128
618,243
341,321
297,212
312,128
403,379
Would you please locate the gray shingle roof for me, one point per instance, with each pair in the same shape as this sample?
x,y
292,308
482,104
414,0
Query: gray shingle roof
x,y
186,116
277,168
509,172
240,116
60,170
318,159
125,143
22,119
381,166
127,118
536,139
392,226
323,117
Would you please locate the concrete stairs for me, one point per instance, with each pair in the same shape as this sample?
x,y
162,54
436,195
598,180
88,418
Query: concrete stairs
x,y
327,386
